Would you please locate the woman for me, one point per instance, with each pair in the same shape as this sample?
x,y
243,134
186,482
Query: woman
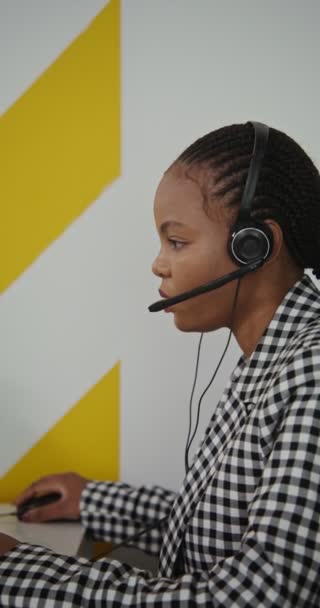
x,y
244,528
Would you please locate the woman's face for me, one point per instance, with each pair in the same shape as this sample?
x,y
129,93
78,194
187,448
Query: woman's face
x,y
193,251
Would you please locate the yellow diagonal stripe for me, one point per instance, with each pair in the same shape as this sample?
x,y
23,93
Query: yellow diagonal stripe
x,y
85,440
60,144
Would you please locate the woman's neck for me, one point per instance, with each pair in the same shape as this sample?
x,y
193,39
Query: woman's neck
x,y
258,302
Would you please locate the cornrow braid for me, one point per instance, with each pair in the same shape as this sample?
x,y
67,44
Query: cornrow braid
x,y
288,189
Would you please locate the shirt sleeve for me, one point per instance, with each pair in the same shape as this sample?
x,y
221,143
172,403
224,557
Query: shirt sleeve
x,y
115,511
277,565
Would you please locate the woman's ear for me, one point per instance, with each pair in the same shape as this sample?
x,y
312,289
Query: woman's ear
x,y
278,240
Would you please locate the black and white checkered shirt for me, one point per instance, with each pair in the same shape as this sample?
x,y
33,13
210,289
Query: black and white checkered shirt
x,y
244,531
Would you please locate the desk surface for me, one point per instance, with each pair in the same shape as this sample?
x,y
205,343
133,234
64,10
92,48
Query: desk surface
x,y
65,538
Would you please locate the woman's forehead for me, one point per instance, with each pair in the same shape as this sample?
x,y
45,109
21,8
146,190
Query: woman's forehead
x,y
177,184
177,197
180,191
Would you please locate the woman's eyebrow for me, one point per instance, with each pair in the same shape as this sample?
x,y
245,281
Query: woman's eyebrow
x,y
170,224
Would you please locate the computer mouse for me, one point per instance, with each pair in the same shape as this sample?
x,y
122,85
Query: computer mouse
x,y
36,501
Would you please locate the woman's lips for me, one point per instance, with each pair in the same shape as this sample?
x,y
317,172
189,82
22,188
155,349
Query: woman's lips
x,y
164,295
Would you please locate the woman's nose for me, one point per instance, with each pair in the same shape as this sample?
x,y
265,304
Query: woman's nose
x,y
160,267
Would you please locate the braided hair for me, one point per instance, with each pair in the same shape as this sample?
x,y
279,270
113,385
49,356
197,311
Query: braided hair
x,y
288,189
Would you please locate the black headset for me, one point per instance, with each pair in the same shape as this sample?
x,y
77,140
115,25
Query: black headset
x,y
251,240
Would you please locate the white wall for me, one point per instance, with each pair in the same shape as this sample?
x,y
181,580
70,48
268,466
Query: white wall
x,y
188,66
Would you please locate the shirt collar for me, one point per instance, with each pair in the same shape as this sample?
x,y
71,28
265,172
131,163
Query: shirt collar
x,y
300,306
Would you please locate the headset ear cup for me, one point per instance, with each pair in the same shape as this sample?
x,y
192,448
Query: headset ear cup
x,y
250,242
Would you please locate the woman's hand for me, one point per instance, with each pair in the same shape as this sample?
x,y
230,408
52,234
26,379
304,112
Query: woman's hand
x,y
68,485
7,543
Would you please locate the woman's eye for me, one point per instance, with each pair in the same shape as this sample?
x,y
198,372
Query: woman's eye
x,y
175,244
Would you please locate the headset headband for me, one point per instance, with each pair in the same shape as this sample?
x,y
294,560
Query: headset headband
x,y
261,134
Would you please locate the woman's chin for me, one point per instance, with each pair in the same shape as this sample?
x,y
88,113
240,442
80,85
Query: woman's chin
x,y
186,324
181,323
